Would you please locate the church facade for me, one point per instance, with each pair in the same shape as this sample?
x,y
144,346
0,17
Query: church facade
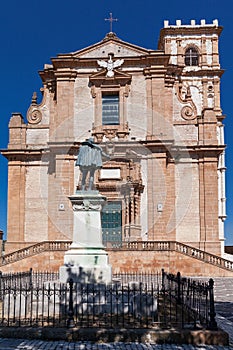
x,y
156,113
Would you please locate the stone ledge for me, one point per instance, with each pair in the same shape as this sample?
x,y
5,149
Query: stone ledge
x,y
99,335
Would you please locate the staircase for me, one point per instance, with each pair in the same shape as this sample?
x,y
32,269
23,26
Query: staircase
x,y
183,249
53,246
38,248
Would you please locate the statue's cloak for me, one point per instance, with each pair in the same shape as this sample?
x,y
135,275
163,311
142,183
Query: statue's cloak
x,y
90,156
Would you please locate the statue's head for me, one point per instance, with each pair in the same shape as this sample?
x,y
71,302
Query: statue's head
x,y
91,140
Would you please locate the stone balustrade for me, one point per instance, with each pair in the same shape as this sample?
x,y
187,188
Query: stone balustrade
x,y
181,248
136,245
35,249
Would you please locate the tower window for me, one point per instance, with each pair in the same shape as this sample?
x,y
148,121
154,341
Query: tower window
x,y
191,57
110,109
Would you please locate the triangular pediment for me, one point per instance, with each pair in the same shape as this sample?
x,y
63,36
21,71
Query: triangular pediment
x,y
111,44
101,78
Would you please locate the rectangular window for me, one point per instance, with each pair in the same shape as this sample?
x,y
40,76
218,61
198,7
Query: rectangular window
x,y
110,109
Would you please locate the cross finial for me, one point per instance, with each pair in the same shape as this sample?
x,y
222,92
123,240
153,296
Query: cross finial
x,y
111,19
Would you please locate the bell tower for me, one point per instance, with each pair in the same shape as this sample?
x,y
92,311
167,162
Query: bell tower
x,y
194,58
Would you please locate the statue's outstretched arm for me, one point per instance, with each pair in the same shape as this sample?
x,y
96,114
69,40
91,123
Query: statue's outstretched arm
x,y
105,155
102,152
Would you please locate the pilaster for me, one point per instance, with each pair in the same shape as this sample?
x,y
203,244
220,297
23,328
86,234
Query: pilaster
x,y
208,187
16,201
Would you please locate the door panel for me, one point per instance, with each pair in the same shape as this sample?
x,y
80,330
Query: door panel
x,y
111,218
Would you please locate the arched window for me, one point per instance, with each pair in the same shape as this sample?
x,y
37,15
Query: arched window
x,y
191,57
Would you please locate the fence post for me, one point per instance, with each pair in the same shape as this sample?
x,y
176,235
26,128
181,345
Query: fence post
x,y
212,322
178,288
70,320
30,278
1,284
163,280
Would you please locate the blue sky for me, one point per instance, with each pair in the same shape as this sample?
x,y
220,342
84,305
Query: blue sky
x,y
33,31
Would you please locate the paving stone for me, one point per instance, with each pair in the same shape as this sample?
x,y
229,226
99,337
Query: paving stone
x,y
8,344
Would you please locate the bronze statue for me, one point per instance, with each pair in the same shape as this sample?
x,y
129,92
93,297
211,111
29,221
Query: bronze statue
x,y
89,159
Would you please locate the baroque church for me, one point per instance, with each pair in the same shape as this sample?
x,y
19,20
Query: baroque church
x,y
156,113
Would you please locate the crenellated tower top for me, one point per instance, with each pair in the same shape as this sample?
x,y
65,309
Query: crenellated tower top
x,y
180,40
192,24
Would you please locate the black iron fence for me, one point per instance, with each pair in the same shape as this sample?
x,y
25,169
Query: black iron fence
x,y
15,279
56,304
131,301
184,301
145,278
29,277
39,278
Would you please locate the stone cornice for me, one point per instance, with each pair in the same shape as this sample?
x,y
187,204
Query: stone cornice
x,y
204,72
47,74
65,67
119,78
205,149
187,30
22,154
155,141
155,58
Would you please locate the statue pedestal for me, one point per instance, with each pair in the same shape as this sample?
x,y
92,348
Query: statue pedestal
x,y
86,261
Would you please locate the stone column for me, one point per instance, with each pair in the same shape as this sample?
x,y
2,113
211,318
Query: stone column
x,y
86,261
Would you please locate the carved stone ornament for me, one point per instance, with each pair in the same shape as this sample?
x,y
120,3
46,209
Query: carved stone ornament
x,y
34,116
87,205
110,65
188,113
110,132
